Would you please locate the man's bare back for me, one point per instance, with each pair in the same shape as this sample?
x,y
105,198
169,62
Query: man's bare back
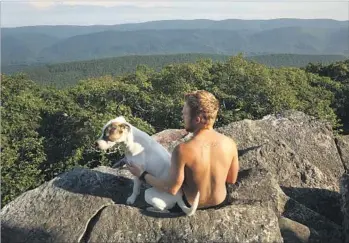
x,y
210,158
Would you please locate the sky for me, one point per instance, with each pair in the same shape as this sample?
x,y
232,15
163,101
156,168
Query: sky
x,y
16,13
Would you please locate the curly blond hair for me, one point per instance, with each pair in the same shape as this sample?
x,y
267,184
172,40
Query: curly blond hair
x,y
202,103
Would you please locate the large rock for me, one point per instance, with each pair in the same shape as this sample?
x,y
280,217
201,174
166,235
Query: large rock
x,y
240,223
293,231
87,205
322,229
168,138
344,184
301,153
257,186
295,141
60,209
343,149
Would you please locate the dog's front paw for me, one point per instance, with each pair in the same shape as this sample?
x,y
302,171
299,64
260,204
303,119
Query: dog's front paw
x,y
131,200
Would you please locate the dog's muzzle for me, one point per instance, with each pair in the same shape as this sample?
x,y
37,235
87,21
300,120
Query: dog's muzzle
x,y
102,145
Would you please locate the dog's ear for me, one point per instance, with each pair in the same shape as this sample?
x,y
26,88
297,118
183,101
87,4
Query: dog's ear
x,y
125,127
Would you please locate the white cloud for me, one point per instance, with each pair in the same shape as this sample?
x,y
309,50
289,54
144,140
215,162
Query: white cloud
x,y
79,12
42,4
141,4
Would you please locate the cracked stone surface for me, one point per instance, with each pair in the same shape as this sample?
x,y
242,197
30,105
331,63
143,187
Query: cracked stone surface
x,y
300,151
238,223
345,205
322,229
57,211
258,186
343,149
168,138
289,137
84,199
293,231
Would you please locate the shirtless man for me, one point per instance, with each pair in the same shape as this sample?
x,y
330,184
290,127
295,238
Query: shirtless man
x,y
206,162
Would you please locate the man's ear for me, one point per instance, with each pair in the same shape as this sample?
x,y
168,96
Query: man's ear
x,y
198,119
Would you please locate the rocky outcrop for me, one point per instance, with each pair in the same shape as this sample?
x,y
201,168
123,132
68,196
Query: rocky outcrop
x,y
242,223
259,187
287,191
59,210
88,206
343,149
344,187
293,232
298,149
168,138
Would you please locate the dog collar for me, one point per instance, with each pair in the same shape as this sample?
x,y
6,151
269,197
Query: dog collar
x,y
142,176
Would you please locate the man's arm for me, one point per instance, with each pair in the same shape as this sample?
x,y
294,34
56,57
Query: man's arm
x,y
234,168
176,174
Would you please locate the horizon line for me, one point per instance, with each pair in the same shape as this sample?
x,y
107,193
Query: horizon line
x,y
150,21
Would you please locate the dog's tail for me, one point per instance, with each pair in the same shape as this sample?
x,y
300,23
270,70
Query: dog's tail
x,y
189,211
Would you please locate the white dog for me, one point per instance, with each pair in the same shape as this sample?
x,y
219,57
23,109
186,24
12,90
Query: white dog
x,y
142,149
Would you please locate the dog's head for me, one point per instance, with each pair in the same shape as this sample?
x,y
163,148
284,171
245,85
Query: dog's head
x,y
115,131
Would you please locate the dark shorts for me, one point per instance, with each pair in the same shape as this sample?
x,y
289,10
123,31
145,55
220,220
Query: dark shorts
x,y
177,209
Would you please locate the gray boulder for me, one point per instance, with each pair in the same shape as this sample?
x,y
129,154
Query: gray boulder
x,y
59,210
298,178
344,184
241,223
293,231
258,186
169,137
322,229
86,205
291,140
300,152
343,149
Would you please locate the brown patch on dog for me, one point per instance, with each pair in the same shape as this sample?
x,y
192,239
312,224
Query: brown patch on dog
x,y
114,131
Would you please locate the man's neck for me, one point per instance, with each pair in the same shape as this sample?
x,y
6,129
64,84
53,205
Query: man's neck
x,y
202,129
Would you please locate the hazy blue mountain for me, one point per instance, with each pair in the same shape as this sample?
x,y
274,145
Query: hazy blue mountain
x,y
64,31
14,51
144,42
24,47
55,44
294,40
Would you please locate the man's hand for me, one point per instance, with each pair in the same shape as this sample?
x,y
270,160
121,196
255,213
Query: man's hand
x,y
135,170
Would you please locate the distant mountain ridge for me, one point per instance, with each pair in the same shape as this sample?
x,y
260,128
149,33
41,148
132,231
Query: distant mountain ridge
x,y
56,44
64,31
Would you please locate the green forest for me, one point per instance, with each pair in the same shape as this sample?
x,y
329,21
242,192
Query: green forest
x,y
62,75
47,130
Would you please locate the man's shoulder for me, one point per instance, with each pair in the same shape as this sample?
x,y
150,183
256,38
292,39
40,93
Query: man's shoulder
x,y
184,149
182,152
226,138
